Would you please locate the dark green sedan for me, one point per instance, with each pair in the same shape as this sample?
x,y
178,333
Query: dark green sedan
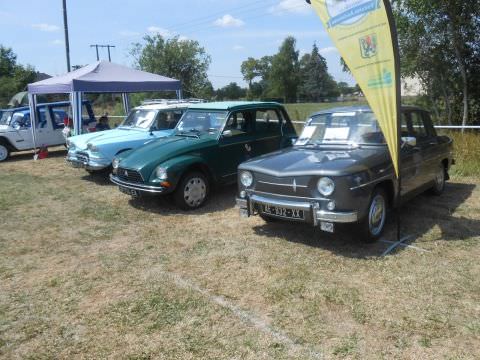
x,y
209,142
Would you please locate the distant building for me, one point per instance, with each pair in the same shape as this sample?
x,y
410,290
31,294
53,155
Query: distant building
x,y
411,86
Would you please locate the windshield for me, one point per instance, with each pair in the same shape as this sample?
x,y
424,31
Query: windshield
x,y
141,119
5,117
342,128
199,121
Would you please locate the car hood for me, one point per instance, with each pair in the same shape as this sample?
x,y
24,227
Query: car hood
x,y
328,162
114,136
146,158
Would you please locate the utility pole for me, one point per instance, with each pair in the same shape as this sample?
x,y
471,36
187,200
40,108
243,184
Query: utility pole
x,y
96,46
65,27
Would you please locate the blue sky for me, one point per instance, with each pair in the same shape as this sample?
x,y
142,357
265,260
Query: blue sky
x,y
229,30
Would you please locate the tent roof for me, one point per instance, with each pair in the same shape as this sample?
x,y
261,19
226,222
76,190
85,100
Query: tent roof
x,y
104,76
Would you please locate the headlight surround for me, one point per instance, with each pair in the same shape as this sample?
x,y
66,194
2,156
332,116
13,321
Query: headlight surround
x,y
115,163
326,186
246,178
161,173
92,147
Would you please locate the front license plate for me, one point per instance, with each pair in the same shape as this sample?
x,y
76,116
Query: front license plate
x,y
128,191
283,212
327,226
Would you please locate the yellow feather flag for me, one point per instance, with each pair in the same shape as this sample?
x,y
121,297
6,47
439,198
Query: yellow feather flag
x,y
365,35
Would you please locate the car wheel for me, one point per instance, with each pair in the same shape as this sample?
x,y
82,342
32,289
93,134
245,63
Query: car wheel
x,y
374,223
4,152
439,180
192,192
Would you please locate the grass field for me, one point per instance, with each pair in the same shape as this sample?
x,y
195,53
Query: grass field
x,y
86,272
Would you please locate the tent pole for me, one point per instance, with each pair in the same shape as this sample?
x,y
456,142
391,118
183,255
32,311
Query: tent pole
x,y
32,103
77,112
179,95
126,103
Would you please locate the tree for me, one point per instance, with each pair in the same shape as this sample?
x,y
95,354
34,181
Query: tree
x,y
231,92
317,83
439,44
284,74
13,77
184,60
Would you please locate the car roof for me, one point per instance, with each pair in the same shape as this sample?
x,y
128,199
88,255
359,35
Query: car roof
x,y
233,105
27,108
161,106
359,108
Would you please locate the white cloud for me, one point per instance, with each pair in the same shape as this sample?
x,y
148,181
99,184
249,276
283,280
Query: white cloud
x,y
183,38
46,27
228,20
328,50
159,30
128,33
56,42
238,47
291,6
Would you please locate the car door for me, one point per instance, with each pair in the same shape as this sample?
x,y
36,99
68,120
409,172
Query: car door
x,y
268,135
411,159
235,144
22,137
425,145
44,130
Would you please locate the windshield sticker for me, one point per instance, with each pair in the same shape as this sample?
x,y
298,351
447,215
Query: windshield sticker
x,y
307,133
338,133
342,114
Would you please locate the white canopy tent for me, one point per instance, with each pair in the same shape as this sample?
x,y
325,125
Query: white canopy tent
x,y
99,77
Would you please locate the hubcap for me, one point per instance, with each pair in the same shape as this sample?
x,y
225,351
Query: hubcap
x,y
3,152
195,192
376,215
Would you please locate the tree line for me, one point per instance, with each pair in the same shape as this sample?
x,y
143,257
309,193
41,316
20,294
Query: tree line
x,y
439,46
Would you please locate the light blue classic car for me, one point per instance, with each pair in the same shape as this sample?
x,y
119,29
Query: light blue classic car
x,y
95,151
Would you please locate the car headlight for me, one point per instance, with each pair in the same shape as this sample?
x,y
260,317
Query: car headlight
x,y
92,147
115,163
326,186
161,173
246,178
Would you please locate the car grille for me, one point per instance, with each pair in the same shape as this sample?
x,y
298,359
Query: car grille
x,y
129,175
288,185
83,157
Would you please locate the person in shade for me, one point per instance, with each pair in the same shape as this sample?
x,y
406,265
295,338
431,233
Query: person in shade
x,y
103,123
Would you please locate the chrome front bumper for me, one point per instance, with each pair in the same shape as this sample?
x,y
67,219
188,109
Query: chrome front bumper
x,y
88,163
136,186
313,213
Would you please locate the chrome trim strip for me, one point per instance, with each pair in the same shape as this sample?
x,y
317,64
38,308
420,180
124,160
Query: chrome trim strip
x,y
289,185
290,196
150,189
235,173
372,182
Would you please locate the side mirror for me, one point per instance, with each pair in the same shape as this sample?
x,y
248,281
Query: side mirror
x,y
409,140
227,133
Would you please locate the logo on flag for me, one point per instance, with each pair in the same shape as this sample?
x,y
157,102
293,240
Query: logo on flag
x,y
368,46
347,12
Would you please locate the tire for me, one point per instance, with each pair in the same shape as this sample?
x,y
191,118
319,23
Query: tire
x,y
439,181
372,226
4,152
192,191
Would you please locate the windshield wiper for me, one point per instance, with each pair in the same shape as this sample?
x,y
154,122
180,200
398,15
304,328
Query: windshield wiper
x,y
188,134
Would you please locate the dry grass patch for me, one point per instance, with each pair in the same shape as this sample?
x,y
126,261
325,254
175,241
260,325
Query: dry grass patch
x,y
87,272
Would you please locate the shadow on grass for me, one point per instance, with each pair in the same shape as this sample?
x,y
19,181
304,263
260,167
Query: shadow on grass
x,y
418,216
220,199
101,177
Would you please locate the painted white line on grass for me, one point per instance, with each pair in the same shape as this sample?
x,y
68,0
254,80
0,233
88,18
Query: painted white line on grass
x,y
246,316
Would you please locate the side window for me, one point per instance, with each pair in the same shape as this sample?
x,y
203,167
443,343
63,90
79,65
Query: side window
x,y
166,119
418,127
267,122
237,123
42,118
403,124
